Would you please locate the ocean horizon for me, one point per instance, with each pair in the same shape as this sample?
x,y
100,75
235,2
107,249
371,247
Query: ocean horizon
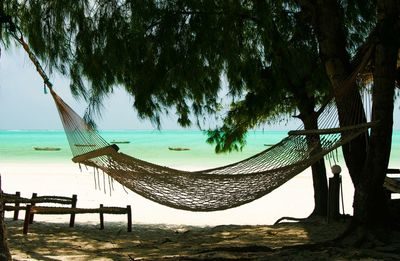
x,y
150,145
25,169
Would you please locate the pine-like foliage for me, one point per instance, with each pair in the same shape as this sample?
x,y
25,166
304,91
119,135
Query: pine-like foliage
x,y
175,54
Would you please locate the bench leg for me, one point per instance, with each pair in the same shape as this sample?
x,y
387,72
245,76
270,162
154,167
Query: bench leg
x,y
27,219
129,212
16,211
73,205
34,195
101,217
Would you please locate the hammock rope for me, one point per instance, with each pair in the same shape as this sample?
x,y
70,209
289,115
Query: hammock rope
x,y
212,189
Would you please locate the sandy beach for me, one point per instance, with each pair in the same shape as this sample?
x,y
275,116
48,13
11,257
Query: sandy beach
x,y
56,241
242,233
295,198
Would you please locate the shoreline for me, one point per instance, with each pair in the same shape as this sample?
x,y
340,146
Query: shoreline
x,y
162,233
295,198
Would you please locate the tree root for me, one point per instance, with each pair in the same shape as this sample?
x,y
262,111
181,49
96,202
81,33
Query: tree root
x,y
359,236
240,249
310,219
289,219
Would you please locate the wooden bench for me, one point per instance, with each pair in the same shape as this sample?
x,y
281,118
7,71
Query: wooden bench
x,y
30,207
30,210
392,184
17,200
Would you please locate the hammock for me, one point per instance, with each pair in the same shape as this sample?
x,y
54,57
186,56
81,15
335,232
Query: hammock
x,y
207,190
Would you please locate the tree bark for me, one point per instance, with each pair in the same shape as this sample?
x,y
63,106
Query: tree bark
x,y
367,168
306,105
326,17
369,199
320,184
332,41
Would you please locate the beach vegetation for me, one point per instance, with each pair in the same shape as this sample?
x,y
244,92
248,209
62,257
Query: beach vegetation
x,y
274,57
376,24
182,56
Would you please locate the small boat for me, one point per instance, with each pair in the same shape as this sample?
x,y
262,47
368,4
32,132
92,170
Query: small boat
x,y
178,148
47,148
85,145
120,142
268,145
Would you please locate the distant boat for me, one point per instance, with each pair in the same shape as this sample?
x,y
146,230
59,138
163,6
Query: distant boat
x,y
178,148
120,142
269,145
47,148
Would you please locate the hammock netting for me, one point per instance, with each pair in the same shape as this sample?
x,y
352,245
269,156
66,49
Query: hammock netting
x,y
212,189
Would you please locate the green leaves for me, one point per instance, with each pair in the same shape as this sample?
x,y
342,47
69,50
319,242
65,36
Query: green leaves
x,y
173,54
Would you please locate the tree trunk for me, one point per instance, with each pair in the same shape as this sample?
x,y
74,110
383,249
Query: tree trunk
x,y
369,199
306,105
332,43
4,251
320,183
327,19
367,169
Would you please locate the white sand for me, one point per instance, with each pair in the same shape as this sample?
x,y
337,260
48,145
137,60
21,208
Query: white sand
x,y
52,239
295,198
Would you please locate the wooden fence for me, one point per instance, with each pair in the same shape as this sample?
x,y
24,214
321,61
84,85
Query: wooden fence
x,y
14,202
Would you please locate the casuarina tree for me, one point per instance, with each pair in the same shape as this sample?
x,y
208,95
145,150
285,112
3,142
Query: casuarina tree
x,y
277,57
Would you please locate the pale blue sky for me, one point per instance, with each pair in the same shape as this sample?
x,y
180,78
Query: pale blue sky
x,y
23,104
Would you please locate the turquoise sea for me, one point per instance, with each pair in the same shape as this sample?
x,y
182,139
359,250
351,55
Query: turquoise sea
x,y
17,146
53,173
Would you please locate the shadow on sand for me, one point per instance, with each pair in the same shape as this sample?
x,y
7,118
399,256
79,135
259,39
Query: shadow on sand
x,y
56,241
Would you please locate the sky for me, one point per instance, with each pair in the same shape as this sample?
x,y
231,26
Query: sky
x,y
23,104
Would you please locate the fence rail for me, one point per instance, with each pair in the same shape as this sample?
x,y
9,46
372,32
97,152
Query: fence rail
x,y
31,209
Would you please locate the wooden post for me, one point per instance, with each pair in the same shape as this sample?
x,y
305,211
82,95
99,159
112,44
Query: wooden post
x,y
73,205
34,195
129,212
27,219
16,211
4,249
101,217
333,195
